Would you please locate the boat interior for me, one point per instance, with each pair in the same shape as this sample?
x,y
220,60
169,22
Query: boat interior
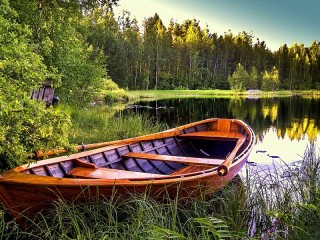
x,y
197,148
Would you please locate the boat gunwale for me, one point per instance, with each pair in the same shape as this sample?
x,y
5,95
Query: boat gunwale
x,y
15,175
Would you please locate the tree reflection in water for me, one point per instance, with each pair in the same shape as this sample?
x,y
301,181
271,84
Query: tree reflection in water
x,y
283,125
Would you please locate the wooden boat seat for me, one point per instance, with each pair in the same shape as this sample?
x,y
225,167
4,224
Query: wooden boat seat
x,y
168,158
108,173
214,135
80,163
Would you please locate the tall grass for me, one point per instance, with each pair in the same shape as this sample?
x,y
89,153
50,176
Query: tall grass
x,y
286,206
100,124
264,205
268,205
136,217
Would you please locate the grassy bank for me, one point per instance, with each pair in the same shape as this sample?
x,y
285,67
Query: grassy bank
x,y
268,206
100,124
161,94
265,206
137,217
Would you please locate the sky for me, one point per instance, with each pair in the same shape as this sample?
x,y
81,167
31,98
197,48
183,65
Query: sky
x,y
276,22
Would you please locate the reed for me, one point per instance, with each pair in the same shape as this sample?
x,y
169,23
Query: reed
x,y
264,205
100,124
286,206
136,217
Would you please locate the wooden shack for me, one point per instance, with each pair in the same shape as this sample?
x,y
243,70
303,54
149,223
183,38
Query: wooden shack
x,y
45,93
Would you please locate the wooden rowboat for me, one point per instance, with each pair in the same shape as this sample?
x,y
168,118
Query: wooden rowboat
x,y
193,159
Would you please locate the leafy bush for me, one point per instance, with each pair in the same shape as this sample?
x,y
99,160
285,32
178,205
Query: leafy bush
x,y
109,85
115,96
25,125
111,93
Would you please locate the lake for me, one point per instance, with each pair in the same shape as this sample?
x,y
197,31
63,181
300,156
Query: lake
x,y
284,126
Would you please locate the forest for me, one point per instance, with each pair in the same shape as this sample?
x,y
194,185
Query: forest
x,y
85,51
87,54
83,43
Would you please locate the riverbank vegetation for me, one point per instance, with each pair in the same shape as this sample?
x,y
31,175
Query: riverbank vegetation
x,y
266,204
100,125
160,94
85,45
90,56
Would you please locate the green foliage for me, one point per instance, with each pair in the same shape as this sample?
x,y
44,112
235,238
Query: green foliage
x,y
115,96
109,85
82,71
56,29
19,65
215,226
135,217
102,32
83,42
98,124
5,233
111,93
81,67
239,79
253,82
25,125
270,80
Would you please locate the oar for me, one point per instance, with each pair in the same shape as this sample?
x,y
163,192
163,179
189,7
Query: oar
x,y
223,169
165,134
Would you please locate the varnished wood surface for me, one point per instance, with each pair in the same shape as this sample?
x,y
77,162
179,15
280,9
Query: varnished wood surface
x,y
23,192
107,173
223,125
149,137
83,164
224,167
165,158
213,135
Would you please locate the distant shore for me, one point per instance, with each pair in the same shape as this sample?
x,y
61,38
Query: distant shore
x,y
152,94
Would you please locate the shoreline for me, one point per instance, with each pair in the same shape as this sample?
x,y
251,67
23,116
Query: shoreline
x,y
156,94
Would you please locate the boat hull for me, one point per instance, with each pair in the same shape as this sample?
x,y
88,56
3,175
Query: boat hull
x,y
24,193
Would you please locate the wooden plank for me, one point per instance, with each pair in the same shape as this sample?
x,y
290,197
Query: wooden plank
x,y
55,170
80,163
164,134
48,95
213,135
224,125
7,201
189,169
168,158
40,95
35,94
209,121
107,173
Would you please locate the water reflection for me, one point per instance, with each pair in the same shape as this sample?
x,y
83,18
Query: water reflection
x,y
283,126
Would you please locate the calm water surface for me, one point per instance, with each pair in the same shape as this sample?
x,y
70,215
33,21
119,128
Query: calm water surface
x,y
284,126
